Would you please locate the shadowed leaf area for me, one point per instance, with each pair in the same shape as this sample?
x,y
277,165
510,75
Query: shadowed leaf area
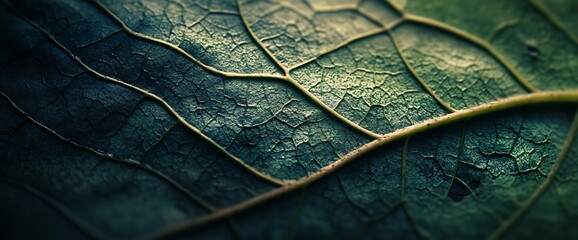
x,y
313,119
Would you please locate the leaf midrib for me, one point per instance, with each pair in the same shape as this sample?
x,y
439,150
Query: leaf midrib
x,y
507,103
570,96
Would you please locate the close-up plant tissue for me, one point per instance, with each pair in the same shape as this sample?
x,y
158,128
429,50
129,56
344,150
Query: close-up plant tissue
x,y
297,119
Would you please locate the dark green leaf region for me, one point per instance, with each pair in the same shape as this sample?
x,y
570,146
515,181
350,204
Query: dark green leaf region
x,y
288,119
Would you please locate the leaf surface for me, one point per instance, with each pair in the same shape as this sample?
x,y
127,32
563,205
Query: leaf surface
x,y
288,119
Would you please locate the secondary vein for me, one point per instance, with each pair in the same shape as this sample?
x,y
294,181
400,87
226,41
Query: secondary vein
x,y
531,201
503,104
158,99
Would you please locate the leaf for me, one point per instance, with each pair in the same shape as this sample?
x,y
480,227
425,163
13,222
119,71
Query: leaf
x,y
288,119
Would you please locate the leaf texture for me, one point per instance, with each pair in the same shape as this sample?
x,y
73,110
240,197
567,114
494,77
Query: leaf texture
x,y
288,119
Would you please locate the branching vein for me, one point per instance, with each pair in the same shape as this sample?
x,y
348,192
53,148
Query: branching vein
x,y
460,115
161,101
180,50
285,78
410,68
110,157
543,9
536,195
475,40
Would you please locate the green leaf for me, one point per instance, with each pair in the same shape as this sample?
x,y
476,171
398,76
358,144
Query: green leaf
x,y
288,119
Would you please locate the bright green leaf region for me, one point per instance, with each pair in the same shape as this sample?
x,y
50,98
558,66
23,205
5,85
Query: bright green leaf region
x,y
310,119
